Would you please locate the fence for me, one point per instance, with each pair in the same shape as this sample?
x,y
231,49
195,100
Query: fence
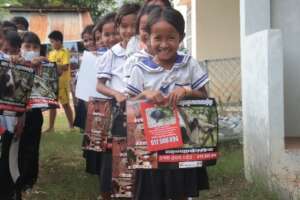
x,y
225,80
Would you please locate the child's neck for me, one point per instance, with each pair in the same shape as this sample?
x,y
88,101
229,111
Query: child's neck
x,y
123,44
166,64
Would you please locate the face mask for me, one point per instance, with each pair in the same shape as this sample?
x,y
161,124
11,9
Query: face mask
x,y
30,55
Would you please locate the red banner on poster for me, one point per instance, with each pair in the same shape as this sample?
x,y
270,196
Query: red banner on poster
x,y
161,126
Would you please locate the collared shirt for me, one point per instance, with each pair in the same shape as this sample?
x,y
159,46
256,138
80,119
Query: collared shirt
x,y
111,67
132,61
147,75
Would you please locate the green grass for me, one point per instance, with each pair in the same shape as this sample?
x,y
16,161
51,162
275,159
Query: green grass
x,y
62,172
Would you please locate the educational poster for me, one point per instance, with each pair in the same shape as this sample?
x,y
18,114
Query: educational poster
x,y
158,120
44,92
98,124
198,121
122,177
16,82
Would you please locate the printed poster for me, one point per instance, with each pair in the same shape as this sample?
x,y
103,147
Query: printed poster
x,y
98,125
122,177
16,82
161,127
198,119
44,92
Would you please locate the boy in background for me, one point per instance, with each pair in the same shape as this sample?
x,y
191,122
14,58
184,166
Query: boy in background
x,y
62,58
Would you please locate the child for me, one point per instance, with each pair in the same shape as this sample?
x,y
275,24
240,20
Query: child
x,y
21,23
134,45
168,76
88,38
31,136
9,188
143,49
62,58
80,107
111,83
104,41
105,33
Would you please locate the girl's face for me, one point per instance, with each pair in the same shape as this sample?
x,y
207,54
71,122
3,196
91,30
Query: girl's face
x,y
88,42
30,47
29,51
127,27
109,35
164,41
9,49
98,40
142,32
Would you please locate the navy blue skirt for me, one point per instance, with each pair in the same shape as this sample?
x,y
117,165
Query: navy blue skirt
x,y
170,184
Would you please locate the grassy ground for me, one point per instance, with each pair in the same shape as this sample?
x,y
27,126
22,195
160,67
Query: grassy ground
x,y
62,175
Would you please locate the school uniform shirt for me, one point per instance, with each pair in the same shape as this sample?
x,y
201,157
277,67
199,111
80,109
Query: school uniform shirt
x,y
133,45
147,75
111,67
132,61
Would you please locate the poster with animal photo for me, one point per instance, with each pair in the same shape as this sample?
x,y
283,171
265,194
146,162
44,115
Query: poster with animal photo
x,y
161,127
122,177
16,82
98,123
45,87
198,119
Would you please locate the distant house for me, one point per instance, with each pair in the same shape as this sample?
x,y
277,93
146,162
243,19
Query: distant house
x,y
70,21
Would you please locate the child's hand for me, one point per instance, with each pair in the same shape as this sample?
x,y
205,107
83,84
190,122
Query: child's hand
x,y
176,95
59,71
154,96
120,97
38,60
19,126
17,59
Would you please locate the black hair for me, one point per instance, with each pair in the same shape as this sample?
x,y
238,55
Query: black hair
x,y
87,30
108,18
32,38
8,25
56,35
20,20
126,9
13,38
172,16
167,3
145,10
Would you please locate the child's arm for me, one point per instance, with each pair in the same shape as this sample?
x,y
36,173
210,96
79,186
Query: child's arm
x,y
151,95
180,92
102,88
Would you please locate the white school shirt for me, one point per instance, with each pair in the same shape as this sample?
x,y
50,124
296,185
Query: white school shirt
x,y
132,61
111,67
133,45
147,75
100,52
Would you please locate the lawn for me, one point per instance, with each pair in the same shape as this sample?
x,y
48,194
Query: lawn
x,y
62,175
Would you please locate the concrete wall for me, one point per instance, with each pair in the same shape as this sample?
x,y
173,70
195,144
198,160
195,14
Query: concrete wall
x,y
285,16
263,102
218,29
